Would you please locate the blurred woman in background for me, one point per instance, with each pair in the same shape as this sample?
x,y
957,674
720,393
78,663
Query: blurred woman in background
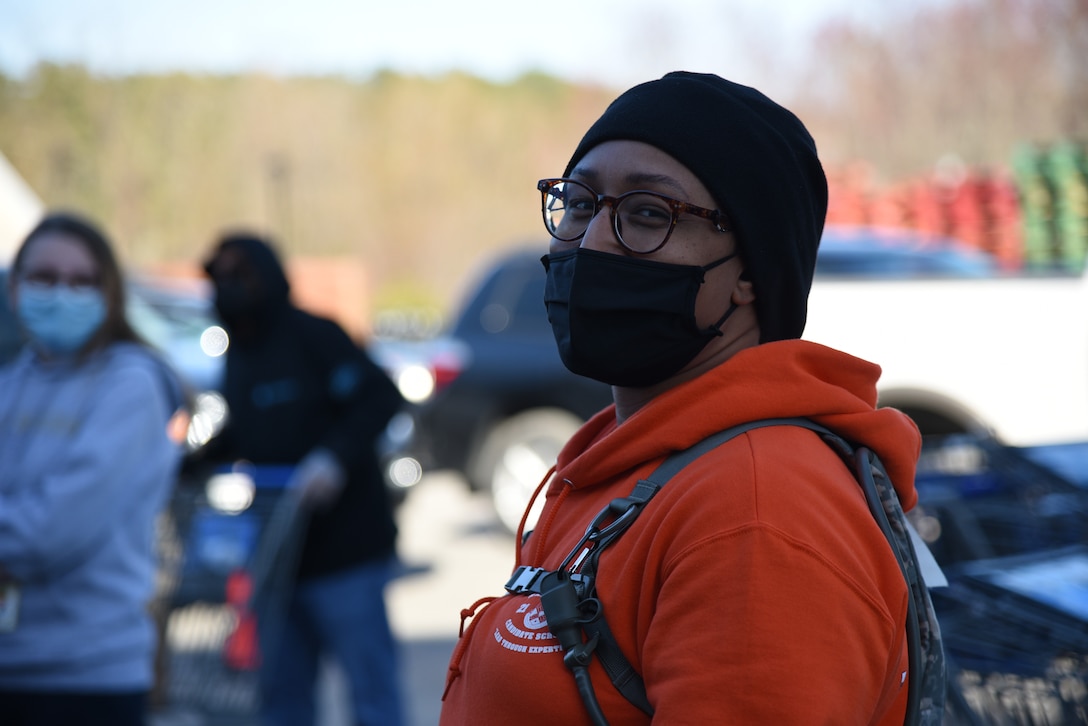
x,y
87,466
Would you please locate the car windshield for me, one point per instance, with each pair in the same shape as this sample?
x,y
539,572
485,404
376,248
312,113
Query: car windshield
x,y
884,254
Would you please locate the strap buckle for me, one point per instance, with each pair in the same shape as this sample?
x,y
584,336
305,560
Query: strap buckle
x,y
526,580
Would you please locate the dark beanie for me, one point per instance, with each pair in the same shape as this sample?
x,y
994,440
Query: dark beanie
x,y
758,162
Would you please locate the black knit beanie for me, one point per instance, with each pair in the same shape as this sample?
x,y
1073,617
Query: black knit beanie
x,y
758,162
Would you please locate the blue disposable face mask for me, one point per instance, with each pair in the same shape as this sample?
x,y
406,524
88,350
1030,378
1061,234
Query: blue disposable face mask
x,y
58,319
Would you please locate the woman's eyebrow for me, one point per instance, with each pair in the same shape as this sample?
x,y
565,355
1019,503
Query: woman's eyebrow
x,y
635,179
587,173
639,178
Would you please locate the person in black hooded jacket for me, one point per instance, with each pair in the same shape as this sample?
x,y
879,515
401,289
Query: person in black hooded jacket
x,y
301,392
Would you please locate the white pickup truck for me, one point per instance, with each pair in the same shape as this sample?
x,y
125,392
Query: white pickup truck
x,y
963,347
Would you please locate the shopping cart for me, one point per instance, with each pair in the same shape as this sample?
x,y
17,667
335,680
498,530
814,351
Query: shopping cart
x,y
230,545
1016,630
1011,533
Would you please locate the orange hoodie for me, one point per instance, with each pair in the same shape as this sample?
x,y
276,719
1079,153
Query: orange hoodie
x,y
755,588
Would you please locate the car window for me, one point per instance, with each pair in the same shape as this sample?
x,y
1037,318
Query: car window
x,y
509,302
527,304
876,254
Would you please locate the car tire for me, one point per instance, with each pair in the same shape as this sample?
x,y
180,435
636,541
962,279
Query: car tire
x,y
515,456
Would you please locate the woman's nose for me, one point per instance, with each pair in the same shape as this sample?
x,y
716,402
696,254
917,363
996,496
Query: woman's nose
x,y
599,234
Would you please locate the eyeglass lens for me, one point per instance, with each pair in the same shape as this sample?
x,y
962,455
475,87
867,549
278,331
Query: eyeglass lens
x,y
642,221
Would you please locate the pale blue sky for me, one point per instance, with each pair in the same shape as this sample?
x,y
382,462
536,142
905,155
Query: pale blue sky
x,y
615,42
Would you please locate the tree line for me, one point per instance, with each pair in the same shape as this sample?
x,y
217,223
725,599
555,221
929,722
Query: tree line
x,y
422,177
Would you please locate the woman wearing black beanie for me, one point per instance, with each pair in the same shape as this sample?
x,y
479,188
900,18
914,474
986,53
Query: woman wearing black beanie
x,y
756,587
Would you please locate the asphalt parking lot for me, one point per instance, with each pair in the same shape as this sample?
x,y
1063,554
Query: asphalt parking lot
x,y
454,552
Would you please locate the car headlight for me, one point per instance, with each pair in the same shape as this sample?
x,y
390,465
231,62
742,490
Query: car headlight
x,y
416,383
230,493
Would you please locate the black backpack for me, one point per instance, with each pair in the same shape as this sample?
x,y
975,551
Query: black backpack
x,y
575,617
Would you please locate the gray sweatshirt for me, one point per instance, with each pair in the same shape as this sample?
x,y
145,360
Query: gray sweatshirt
x,y
85,467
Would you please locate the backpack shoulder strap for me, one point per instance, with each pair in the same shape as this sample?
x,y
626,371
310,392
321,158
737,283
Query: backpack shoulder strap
x,y
926,684
680,459
623,675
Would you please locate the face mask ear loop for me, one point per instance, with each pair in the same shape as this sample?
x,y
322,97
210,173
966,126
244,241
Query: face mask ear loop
x,y
717,262
716,328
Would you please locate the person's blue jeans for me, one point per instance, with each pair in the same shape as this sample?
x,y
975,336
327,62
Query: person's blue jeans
x,y
342,615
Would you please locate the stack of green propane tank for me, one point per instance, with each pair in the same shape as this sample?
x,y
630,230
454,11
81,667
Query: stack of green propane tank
x,y
1053,185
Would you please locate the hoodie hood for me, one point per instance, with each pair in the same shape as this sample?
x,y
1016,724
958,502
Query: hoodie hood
x,y
258,291
791,378
267,266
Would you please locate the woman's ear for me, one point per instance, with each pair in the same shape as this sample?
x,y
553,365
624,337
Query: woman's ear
x,y
744,291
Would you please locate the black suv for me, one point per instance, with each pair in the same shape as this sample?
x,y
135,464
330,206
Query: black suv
x,y
503,403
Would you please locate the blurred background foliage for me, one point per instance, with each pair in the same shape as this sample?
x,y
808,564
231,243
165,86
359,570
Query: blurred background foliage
x,y
421,177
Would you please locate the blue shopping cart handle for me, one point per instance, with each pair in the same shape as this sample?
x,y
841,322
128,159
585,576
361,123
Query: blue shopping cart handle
x,y
264,476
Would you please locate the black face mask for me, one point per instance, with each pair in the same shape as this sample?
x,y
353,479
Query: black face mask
x,y
623,320
235,302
